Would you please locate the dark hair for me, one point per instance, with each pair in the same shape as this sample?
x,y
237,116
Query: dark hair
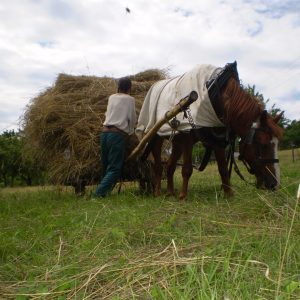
x,y
124,84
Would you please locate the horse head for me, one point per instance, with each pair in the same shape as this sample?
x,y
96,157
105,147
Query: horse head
x,y
259,150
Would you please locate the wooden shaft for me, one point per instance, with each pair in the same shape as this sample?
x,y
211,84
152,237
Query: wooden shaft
x,y
182,105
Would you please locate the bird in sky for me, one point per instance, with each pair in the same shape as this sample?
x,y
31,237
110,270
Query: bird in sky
x,y
127,10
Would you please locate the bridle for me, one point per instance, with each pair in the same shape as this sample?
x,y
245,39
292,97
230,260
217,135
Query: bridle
x,y
249,139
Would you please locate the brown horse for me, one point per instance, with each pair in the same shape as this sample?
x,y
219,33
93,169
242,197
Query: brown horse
x,y
242,114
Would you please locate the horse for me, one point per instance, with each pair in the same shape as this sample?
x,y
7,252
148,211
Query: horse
x,y
238,113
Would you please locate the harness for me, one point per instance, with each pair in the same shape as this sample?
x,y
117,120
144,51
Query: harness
x,y
211,137
249,139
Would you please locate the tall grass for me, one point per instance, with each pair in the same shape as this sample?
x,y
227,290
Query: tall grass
x,y
131,246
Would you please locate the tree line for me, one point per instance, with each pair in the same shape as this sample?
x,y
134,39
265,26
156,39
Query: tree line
x,y
17,164
291,137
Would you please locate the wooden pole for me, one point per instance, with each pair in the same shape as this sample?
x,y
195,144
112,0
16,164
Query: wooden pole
x,y
180,106
293,152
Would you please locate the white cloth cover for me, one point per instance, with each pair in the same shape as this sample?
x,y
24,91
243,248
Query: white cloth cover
x,y
165,94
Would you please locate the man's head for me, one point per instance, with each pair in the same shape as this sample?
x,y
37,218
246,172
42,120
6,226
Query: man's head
x,y
124,85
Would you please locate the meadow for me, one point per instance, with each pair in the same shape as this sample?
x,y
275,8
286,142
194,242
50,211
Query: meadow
x,y
54,245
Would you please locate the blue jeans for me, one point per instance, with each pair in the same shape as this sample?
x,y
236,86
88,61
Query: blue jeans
x,y
112,158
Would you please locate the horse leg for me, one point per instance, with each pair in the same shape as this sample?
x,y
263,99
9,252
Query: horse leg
x,y
223,171
171,166
156,152
187,168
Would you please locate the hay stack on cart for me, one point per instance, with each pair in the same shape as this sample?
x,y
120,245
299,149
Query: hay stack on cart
x,y
63,123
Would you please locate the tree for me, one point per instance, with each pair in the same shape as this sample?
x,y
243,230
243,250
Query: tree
x,y
291,136
16,162
274,110
10,158
31,170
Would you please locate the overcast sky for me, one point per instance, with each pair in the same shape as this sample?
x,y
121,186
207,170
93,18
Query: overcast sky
x,y
41,38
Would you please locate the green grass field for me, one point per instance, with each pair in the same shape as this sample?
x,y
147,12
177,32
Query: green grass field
x,y
54,245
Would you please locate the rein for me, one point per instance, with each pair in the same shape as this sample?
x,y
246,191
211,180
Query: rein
x,y
231,162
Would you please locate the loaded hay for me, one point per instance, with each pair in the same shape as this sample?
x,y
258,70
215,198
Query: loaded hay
x,y
62,126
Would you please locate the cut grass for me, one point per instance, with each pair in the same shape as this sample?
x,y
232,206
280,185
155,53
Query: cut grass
x,y
54,245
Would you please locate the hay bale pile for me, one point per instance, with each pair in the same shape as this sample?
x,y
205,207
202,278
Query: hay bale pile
x,y
63,123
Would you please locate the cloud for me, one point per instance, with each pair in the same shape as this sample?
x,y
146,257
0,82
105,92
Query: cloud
x,y
274,8
40,39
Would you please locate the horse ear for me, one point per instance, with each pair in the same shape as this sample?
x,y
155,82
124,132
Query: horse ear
x,y
278,117
263,117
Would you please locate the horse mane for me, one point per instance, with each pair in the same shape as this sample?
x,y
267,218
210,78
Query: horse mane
x,y
242,108
239,106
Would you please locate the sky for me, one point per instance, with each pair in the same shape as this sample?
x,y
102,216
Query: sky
x,y
41,38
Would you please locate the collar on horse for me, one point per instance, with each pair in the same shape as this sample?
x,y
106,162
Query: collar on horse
x,y
217,82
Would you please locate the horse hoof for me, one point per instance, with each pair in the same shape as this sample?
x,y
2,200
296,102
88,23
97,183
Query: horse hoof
x,y
182,197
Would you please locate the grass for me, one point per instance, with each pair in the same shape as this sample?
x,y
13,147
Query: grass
x,y
54,245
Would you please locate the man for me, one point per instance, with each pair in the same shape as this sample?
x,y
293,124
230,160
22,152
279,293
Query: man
x,y
120,119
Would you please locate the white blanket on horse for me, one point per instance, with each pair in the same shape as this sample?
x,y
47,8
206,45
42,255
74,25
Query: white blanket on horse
x,y
165,94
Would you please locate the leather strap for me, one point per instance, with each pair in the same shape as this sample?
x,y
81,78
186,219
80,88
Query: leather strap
x,y
110,128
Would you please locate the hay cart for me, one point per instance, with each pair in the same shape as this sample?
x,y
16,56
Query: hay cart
x,y
62,126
